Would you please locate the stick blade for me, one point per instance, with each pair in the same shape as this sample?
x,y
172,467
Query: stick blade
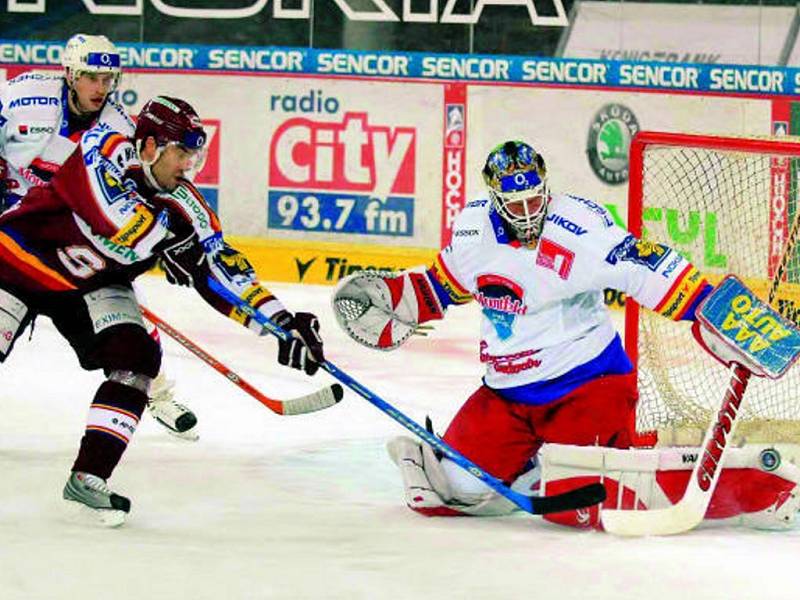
x,y
679,518
581,497
319,400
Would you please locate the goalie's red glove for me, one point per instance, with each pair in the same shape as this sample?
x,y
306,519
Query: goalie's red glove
x,y
303,351
382,311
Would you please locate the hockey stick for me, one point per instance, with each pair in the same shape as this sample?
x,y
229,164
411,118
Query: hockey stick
x,y
689,511
582,497
324,398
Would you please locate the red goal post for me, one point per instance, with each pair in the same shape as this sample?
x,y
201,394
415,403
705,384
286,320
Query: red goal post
x,y
727,203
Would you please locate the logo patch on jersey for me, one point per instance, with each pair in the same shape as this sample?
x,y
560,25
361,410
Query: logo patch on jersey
x,y
555,257
34,101
510,363
502,300
113,189
136,227
595,208
647,254
235,266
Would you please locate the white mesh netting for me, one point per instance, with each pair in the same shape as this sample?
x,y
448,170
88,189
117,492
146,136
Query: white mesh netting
x,y
728,211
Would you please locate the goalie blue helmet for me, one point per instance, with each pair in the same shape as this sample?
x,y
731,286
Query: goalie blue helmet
x,y
516,178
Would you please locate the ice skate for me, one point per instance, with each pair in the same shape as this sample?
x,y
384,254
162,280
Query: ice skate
x,y
89,496
176,418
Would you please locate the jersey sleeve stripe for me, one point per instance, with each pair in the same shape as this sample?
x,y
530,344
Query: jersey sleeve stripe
x,y
445,278
110,143
680,296
702,290
256,296
24,262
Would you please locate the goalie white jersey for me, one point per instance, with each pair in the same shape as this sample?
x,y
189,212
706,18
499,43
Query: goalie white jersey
x,y
545,328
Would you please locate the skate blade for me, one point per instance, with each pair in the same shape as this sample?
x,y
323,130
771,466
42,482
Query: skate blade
x,y
190,435
83,515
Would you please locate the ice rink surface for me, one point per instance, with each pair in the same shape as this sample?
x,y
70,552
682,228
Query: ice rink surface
x,y
265,506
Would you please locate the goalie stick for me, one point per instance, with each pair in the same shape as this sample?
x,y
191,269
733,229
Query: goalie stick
x,y
689,511
323,398
581,497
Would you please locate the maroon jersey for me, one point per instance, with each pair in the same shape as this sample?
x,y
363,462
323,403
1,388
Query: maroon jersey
x,y
97,223
90,226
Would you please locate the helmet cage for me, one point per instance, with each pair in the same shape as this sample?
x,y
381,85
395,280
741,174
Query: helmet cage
x,y
514,207
514,175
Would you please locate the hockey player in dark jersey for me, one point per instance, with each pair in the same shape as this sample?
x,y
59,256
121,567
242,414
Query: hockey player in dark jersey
x,y
36,139
70,249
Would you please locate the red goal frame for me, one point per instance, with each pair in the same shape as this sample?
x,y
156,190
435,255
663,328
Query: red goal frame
x,y
641,141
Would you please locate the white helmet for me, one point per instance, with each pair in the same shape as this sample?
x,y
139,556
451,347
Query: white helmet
x,y
90,54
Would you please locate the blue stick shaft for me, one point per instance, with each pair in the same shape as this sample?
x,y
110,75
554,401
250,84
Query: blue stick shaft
x,y
524,502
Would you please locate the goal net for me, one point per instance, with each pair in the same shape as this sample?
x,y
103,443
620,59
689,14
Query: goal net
x,y
727,204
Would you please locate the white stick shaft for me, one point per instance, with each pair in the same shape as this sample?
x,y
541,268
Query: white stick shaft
x,y
689,511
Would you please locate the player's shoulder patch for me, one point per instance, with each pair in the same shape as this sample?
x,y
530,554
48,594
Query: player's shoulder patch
x,y
110,142
641,252
35,95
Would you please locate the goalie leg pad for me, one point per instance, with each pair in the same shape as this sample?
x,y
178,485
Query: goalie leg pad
x,y
420,494
442,489
756,488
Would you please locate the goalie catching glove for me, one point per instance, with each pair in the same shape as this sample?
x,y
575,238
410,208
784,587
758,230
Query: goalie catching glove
x,y
381,311
303,350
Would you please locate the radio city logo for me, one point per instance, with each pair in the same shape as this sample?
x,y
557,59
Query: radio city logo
x,y
502,300
345,175
348,156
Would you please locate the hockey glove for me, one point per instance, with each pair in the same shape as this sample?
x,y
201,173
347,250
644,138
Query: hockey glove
x,y
181,259
381,310
303,351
